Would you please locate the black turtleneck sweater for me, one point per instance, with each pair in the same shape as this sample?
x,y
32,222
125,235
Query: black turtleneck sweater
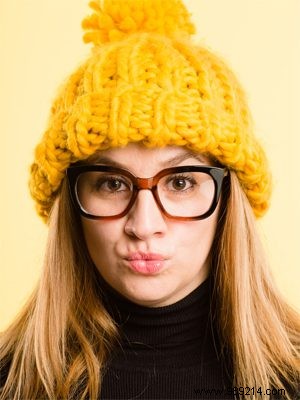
x,y
169,352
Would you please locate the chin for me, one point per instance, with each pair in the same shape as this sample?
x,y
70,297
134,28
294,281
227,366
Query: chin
x,y
147,293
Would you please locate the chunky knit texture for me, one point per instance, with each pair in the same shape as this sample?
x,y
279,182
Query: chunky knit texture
x,y
146,81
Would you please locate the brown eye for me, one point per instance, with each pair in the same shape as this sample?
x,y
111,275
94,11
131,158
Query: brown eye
x,y
114,185
110,184
179,184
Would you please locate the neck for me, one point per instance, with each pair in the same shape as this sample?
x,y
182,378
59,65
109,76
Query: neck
x,y
181,331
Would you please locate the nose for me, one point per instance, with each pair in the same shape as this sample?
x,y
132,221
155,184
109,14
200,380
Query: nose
x,y
145,219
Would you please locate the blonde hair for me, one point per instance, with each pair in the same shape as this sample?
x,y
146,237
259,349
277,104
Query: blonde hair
x,y
259,327
58,346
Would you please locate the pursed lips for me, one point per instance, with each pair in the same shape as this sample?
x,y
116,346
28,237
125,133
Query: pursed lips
x,y
145,263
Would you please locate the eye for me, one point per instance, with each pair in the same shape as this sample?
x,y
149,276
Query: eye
x,y
180,183
111,184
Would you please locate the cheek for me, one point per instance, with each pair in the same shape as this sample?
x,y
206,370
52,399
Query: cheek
x,y
196,237
100,237
197,231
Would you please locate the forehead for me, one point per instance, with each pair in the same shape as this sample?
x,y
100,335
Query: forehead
x,y
138,157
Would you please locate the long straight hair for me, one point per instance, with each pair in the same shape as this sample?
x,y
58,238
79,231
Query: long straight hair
x,y
58,345
260,329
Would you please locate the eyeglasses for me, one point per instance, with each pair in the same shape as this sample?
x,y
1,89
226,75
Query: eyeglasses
x,y
181,193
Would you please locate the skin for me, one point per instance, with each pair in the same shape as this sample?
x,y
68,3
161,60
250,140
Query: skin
x,y
184,245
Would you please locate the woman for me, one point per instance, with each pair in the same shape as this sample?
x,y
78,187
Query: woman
x,y
150,178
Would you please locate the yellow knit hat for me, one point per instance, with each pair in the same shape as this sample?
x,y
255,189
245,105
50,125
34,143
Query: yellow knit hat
x,y
147,81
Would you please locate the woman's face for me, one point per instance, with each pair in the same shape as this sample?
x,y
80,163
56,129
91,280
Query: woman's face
x,y
145,256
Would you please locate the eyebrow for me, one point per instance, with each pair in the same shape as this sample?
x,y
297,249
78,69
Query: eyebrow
x,y
171,162
183,157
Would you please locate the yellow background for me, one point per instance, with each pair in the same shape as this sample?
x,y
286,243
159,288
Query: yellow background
x,y
41,44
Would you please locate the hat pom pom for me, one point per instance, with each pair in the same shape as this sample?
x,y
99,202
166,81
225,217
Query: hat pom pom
x,y
113,20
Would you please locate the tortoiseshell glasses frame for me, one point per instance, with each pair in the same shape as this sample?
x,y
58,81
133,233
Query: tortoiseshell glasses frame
x,y
136,184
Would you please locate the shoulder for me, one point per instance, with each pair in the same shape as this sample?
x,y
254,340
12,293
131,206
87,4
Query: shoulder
x,y
4,370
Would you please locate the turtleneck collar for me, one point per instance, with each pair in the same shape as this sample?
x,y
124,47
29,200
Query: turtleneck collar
x,y
181,332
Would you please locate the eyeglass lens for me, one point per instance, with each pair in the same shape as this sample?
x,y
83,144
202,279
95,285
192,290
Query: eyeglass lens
x,y
184,194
